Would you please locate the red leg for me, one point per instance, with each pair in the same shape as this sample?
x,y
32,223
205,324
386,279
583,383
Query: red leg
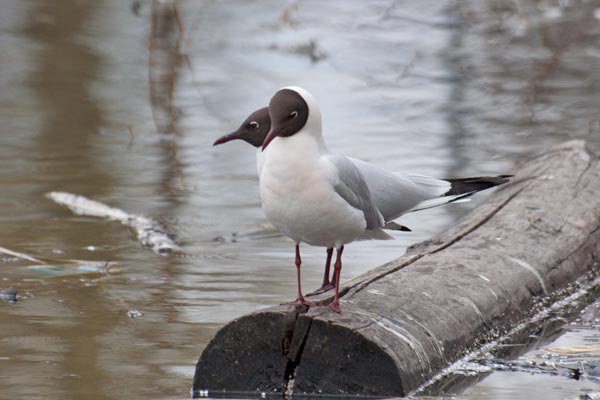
x,y
300,298
327,285
333,278
335,305
327,265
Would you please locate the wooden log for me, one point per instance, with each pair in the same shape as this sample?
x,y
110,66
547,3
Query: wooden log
x,y
406,320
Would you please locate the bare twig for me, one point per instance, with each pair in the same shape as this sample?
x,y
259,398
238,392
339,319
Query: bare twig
x,y
23,256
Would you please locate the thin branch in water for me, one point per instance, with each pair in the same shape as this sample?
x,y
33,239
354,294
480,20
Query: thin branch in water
x,y
22,256
148,232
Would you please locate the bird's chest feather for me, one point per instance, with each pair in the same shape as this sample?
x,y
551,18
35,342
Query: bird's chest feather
x,y
299,198
296,186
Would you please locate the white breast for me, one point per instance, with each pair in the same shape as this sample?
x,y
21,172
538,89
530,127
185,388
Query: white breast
x,y
298,196
260,161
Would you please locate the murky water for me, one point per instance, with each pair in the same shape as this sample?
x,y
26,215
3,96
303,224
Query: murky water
x,y
121,100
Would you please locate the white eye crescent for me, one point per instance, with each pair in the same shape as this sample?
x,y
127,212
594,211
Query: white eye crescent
x,y
293,114
253,124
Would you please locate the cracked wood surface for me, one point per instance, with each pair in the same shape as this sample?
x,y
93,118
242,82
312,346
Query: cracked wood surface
x,y
406,320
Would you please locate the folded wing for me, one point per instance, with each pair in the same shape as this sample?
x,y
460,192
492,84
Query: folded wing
x,y
353,188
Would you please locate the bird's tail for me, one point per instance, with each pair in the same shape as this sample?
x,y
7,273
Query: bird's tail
x,y
461,189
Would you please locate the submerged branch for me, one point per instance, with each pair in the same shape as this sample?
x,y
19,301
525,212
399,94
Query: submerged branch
x,y
148,232
23,256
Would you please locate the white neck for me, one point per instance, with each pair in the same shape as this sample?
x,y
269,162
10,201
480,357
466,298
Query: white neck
x,y
313,125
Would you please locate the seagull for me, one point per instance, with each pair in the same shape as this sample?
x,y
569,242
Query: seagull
x,y
323,199
394,193
254,130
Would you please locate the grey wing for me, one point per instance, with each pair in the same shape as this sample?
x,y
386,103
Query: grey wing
x,y
395,194
353,188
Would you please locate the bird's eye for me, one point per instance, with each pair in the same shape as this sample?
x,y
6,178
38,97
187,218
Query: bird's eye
x,y
293,114
253,125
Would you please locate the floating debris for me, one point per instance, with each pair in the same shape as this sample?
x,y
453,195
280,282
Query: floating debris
x,y
23,256
533,367
9,294
149,233
133,314
55,267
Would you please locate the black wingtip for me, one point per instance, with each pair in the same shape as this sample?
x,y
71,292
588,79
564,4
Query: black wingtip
x,y
473,185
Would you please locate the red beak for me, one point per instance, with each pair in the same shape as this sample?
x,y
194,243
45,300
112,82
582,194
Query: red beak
x,y
226,138
270,136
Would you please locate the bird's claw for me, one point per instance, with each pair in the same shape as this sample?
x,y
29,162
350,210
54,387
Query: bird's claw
x,y
298,302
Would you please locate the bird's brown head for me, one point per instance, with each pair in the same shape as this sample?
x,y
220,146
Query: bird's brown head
x,y
288,112
253,130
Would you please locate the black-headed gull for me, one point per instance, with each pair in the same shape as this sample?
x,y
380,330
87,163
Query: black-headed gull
x,y
253,130
329,200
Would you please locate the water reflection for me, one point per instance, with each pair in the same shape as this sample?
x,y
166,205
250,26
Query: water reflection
x,y
166,33
61,80
527,73
121,101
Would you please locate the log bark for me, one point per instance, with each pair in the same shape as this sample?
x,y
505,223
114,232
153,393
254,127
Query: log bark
x,y
406,320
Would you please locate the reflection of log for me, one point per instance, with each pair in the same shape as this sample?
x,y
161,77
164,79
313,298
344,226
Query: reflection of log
x,y
405,321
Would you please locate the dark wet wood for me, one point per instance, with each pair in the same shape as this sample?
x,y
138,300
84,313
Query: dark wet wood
x,y
406,320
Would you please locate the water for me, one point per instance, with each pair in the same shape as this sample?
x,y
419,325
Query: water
x,y
121,100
